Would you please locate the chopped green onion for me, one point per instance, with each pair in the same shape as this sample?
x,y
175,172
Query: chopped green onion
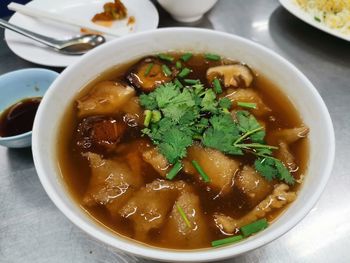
x,y
191,81
148,69
178,83
246,105
184,72
225,241
148,116
212,57
166,70
174,171
317,19
156,116
255,145
217,86
200,171
166,57
186,57
183,215
254,227
178,64
197,137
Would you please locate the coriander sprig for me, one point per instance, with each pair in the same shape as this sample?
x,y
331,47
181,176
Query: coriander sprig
x,y
178,115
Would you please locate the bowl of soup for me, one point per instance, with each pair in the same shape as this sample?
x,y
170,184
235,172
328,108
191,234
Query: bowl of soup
x,y
183,144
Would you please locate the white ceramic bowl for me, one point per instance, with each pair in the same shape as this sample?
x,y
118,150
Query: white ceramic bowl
x,y
294,84
187,11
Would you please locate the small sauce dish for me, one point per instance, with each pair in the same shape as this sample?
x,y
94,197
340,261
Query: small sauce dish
x,y
19,86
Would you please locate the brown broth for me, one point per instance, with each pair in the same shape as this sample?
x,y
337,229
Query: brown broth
x,y
76,172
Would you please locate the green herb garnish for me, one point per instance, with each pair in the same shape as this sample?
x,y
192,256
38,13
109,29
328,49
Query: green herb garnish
x,y
246,105
166,70
225,103
183,215
178,83
272,168
186,57
225,241
178,64
201,171
166,57
148,116
217,86
174,171
212,57
180,115
156,116
148,69
254,227
191,81
317,19
184,73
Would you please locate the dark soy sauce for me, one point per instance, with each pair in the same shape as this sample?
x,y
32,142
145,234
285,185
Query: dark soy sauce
x,y
19,117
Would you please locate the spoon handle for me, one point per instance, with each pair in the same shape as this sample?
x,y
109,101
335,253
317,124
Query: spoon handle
x,y
37,37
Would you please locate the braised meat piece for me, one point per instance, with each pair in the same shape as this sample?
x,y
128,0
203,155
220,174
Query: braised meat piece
x,y
106,97
148,208
102,133
112,182
191,233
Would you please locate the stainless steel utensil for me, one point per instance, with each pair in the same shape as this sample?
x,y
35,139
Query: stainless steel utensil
x,y
73,46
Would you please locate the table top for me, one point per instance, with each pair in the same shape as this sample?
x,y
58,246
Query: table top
x,y
32,229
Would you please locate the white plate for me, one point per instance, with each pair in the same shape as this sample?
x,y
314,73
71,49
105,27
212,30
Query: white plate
x,y
293,8
146,17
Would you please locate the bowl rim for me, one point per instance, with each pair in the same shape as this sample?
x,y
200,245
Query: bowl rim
x,y
202,255
16,72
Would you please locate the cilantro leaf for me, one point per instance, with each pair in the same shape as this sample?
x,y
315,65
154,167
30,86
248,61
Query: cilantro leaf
x,y
225,103
148,101
272,168
209,102
178,106
164,94
222,134
283,172
247,123
174,144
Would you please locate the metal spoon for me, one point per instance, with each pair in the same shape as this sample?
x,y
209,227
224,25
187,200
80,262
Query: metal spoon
x,y
73,46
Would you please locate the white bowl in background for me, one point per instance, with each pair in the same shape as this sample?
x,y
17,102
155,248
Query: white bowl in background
x,y
187,11
281,72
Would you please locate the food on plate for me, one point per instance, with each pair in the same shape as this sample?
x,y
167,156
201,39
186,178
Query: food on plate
x,y
111,11
19,117
333,13
183,150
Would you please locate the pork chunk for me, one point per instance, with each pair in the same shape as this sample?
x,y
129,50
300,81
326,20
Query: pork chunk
x,y
104,98
215,164
191,234
280,197
291,135
251,96
285,155
99,132
252,184
111,184
148,208
157,160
